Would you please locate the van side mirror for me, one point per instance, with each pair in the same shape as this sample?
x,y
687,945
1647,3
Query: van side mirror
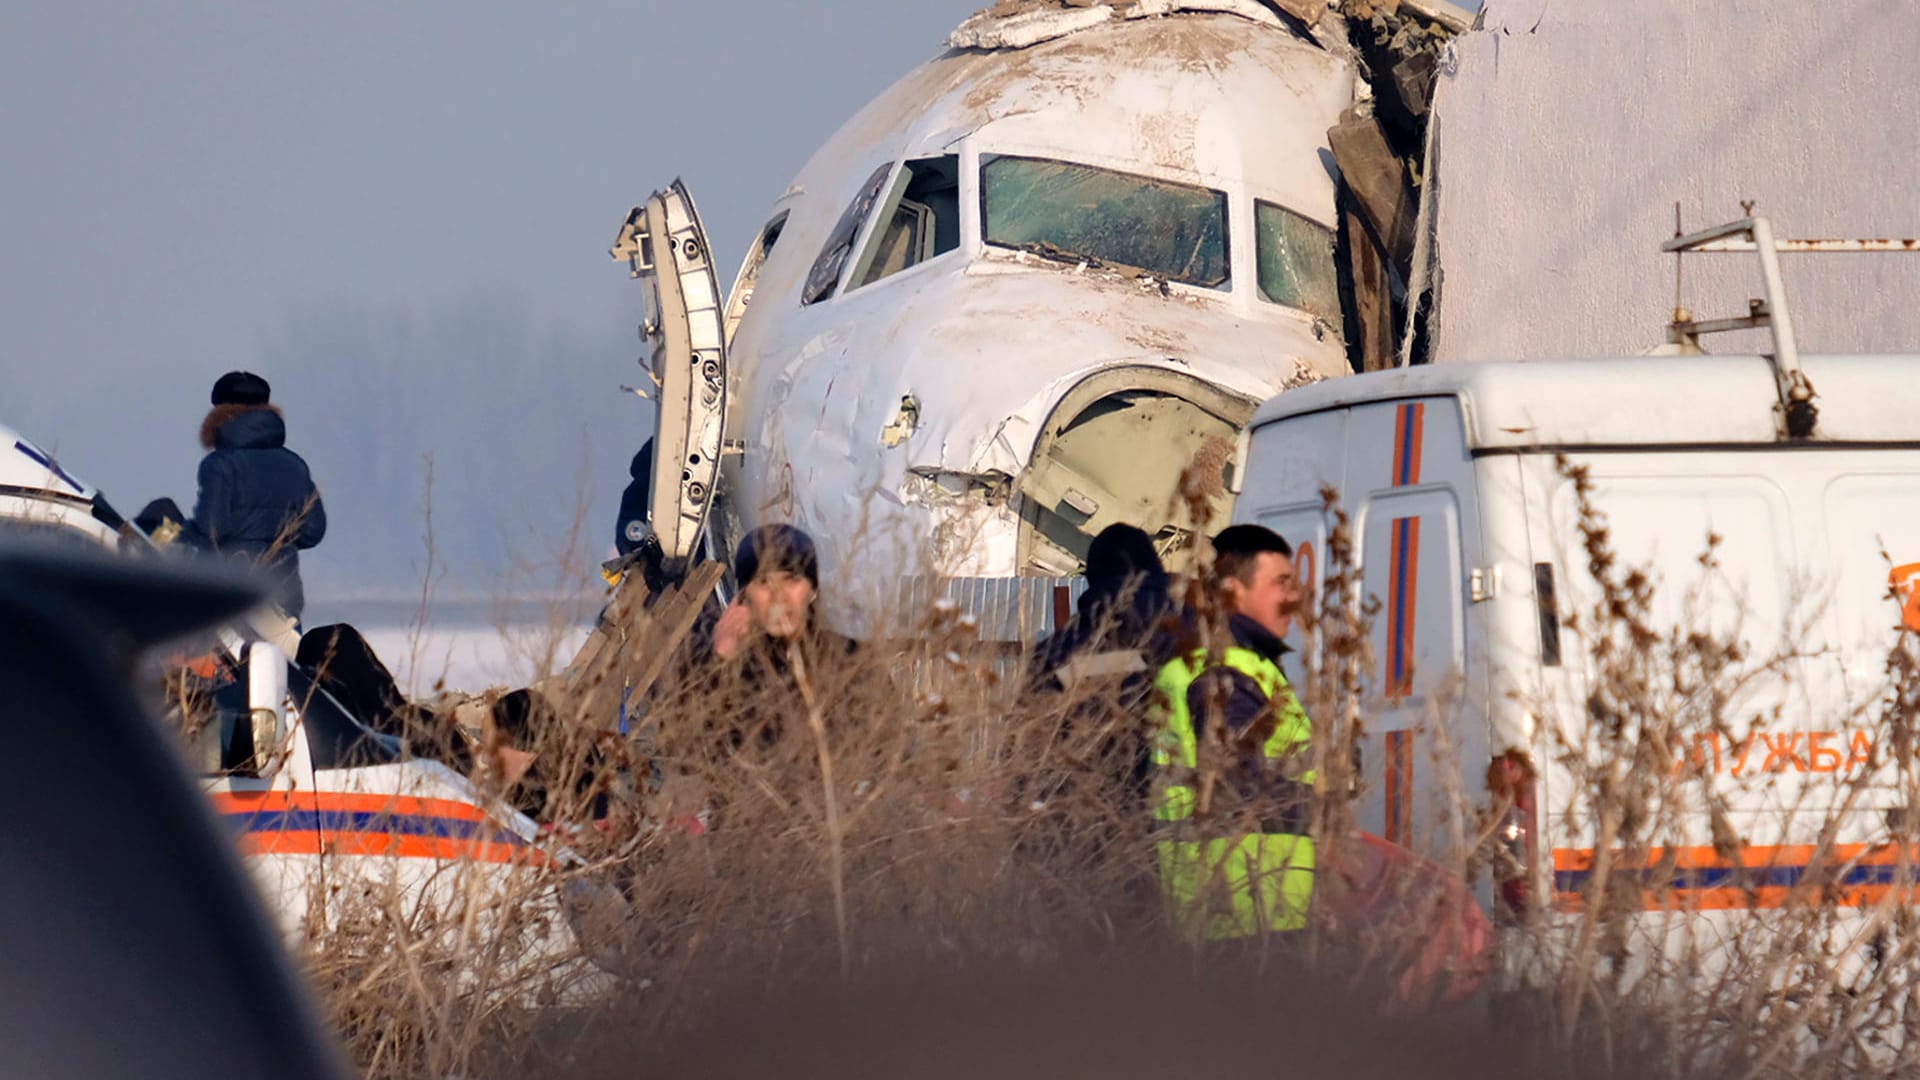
x,y
266,704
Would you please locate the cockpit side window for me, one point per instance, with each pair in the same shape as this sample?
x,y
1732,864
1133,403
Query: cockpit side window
x,y
762,247
1296,261
742,294
920,220
1075,213
825,274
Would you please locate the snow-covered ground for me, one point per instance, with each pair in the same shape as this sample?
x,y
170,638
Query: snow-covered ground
x,y
470,657
465,645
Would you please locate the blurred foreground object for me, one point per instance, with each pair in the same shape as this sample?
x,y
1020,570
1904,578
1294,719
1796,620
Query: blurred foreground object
x,y
134,943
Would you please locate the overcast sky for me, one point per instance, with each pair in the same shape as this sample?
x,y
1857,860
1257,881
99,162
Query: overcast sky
x,y
399,214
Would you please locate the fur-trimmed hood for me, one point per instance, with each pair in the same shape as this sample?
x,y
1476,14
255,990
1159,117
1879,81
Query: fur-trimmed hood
x,y
243,427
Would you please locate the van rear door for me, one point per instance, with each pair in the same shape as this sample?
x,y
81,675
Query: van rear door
x,y
1401,471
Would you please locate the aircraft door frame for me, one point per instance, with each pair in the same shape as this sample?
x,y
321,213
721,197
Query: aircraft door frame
x,y
666,249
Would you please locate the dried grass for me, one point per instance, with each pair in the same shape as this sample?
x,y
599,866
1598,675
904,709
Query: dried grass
x,y
910,864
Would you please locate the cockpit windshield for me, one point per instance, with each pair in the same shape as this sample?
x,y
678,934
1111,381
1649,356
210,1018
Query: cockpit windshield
x,y
1079,213
1295,254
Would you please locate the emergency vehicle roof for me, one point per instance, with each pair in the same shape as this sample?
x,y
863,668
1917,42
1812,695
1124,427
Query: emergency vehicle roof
x,y
1638,401
25,466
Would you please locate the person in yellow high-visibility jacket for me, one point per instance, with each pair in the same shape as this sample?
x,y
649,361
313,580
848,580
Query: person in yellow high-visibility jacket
x,y
1231,751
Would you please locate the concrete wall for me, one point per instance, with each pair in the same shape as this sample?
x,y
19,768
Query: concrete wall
x,y
1567,130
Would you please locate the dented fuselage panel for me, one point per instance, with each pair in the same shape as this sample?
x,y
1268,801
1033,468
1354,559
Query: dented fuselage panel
x,y
1140,203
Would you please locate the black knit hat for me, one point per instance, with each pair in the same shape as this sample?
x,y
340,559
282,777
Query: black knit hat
x,y
1122,552
776,547
241,388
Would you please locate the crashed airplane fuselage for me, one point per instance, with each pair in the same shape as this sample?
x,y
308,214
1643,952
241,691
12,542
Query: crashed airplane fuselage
x,y
1017,294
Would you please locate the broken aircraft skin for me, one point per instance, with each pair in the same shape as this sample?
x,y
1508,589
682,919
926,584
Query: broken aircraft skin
x,y
1013,298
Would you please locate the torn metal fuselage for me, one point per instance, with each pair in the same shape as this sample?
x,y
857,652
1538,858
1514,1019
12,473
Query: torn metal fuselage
x,y
1017,296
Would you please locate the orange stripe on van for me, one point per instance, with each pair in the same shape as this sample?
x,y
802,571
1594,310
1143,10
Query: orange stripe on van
x,y
393,845
1756,877
1403,569
340,823
233,802
1409,431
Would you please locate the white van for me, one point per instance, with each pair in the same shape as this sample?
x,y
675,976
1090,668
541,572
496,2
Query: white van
x,y
1465,524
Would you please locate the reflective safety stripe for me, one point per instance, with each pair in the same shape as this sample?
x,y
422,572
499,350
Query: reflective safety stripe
x,y
1176,745
1236,887
1233,886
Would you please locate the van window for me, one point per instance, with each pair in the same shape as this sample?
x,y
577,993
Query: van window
x,y
1662,522
1872,525
825,274
1296,261
919,221
1069,212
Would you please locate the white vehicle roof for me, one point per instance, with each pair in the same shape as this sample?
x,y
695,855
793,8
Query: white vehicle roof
x,y
36,491
1638,401
25,467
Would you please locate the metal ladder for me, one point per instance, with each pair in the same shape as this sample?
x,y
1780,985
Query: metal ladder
x,y
1798,414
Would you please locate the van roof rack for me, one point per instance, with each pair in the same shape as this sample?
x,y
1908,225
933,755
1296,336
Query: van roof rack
x,y
1797,412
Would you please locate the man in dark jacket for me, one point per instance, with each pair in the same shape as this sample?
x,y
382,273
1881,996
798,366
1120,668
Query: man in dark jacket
x,y
257,500
739,700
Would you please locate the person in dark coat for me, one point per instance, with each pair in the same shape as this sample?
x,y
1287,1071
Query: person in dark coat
x,y
1094,676
738,698
633,537
257,500
1126,607
633,529
750,649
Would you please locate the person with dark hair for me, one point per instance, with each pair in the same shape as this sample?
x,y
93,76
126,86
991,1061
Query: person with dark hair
x,y
634,541
1123,610
774,620
779,575
257,501
1090,692
1101,665
737,698
633,529
1233,752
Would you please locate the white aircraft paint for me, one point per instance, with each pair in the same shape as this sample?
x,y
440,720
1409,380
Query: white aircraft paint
x,y
864,417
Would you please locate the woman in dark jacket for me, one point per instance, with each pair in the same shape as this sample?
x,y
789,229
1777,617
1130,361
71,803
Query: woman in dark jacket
x,y
739,705
750,650
257,500
1098,670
